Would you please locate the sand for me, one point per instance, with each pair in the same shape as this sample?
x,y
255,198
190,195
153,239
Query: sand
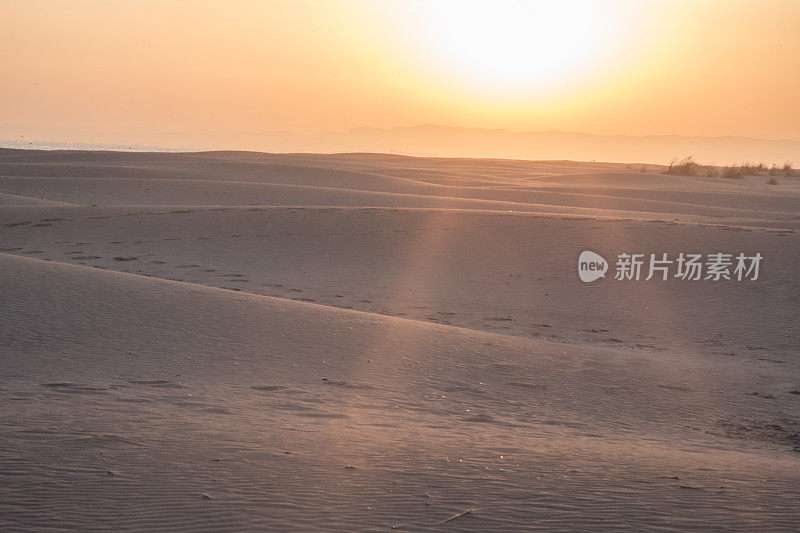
x,y
235,340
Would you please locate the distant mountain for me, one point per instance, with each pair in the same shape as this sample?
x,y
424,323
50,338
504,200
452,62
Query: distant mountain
x,y
450,141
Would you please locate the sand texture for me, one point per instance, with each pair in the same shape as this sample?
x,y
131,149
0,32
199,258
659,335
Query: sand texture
x,y
238,341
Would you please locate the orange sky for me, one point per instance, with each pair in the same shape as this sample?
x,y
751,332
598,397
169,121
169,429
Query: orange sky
x,y
201,73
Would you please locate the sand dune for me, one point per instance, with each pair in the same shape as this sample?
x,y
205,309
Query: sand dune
x,y
393,181
236,341
480,270
263,404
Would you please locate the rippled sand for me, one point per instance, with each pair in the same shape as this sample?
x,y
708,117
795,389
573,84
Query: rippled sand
x,y
358,342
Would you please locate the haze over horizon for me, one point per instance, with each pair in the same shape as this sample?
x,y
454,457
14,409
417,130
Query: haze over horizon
x,y
431,140
215,77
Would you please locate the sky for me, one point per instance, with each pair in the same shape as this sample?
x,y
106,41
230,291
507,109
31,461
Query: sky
x,y
201,73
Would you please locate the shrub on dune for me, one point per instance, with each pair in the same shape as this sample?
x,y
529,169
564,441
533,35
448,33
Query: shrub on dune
x,y
689,167
734,172
684,167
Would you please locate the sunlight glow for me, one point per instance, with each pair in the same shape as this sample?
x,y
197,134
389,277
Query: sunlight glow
x,y
519,45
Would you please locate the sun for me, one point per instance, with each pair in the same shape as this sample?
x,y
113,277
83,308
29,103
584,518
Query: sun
x,y
517,46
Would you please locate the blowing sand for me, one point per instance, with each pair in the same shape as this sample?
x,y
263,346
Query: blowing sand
x,y
232,341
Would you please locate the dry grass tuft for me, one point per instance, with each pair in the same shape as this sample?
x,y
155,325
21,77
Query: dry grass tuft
x,y
734,172
685,167
689,167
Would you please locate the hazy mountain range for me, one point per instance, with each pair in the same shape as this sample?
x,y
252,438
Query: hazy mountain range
x,y
449,141
434,140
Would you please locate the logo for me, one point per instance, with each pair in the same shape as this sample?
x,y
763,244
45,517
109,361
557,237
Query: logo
x,y
663,266
591,266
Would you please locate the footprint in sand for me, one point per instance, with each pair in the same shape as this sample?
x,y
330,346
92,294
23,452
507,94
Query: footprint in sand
x,y
160,383
74,388
391,313
269,388
676,388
